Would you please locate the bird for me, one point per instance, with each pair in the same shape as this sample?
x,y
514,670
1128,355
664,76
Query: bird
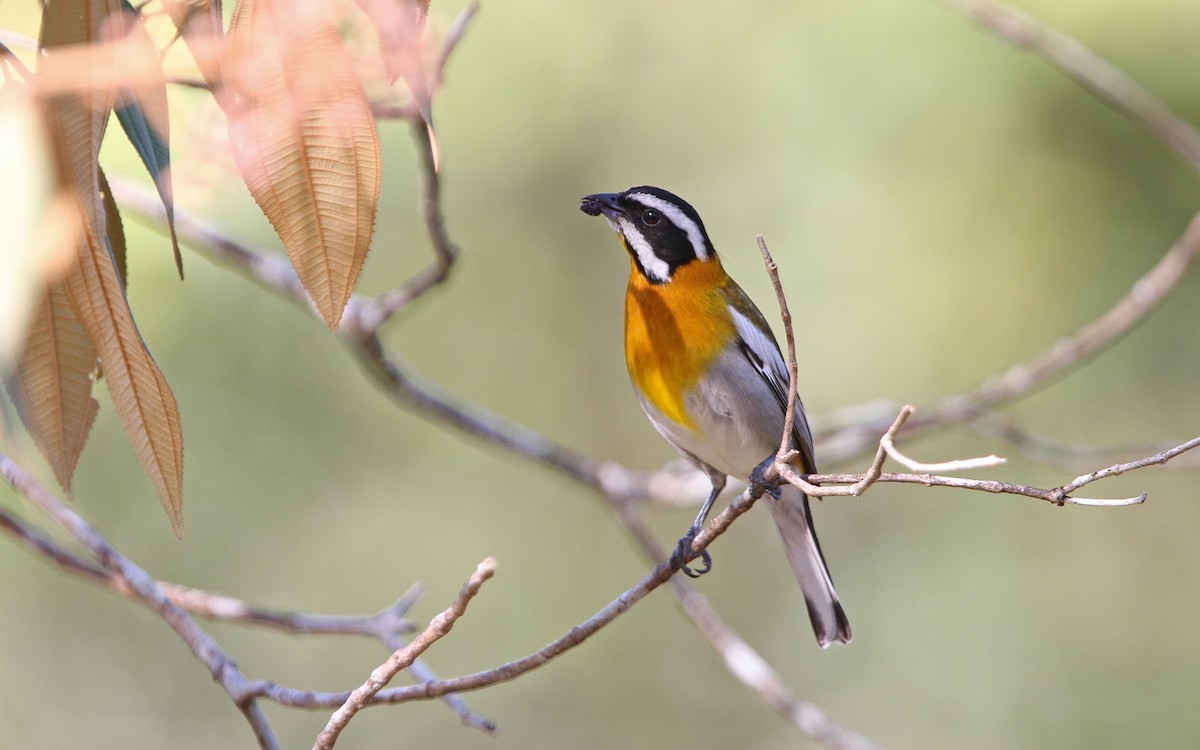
x,y
711,378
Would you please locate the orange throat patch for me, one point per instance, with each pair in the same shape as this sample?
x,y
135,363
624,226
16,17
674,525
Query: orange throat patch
x,y
674,331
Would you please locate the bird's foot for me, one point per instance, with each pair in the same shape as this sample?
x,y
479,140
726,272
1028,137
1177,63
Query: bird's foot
x,y
758,478
683,553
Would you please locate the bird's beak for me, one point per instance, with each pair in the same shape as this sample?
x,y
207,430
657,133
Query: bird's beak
x,y
602,203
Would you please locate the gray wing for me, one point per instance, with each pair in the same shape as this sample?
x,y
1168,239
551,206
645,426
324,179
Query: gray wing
x,y
763,353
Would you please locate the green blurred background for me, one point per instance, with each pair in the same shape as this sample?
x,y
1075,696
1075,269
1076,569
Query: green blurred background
x,y
940,205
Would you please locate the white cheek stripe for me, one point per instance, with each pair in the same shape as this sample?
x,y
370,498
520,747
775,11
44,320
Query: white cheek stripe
x,y
655,267
679,219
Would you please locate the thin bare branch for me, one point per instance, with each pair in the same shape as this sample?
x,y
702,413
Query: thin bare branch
x,y
816,485
1069,352
387,625
402,658
11,38
1113,86
1106,81
742,660
370,316
812,486
857,484
980,485
888,443
1117,469
1144,296
785,315
1047,450
202,645
40,543
9,58
453,36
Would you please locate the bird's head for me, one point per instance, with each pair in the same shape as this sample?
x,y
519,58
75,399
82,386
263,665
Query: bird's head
x,y
661,231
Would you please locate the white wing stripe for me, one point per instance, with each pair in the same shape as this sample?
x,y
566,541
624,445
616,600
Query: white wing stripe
x,y
773,368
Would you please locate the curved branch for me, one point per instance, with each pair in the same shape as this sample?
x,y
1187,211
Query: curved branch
x,y
202,645
1106,81
1111,85
1070,351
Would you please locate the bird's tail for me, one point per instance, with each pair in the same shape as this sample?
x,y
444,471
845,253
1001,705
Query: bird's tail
x,y
794,520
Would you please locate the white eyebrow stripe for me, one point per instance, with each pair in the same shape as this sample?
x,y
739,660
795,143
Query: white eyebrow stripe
x,y
656,268
679,219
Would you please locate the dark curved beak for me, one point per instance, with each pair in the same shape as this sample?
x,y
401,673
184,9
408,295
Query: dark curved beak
x,y
601,203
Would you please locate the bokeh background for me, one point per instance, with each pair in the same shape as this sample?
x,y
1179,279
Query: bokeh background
x,y
941,206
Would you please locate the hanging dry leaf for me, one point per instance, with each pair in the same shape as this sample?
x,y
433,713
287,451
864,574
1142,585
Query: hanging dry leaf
x,y
304,141
143,400
52,386
400,25
92,287
77,121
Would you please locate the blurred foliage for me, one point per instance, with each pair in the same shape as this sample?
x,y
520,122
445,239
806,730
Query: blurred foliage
x,y
940,206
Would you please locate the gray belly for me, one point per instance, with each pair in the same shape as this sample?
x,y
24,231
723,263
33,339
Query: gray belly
x,y
737,419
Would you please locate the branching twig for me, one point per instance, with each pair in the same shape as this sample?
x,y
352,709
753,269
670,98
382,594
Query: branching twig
x,y
371,316
387,625
1113,86
740,658
888,444
1117,469
857,484
205,649
815,485
404,657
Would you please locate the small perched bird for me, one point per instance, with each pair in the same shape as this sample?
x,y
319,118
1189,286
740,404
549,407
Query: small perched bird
x,y
709,375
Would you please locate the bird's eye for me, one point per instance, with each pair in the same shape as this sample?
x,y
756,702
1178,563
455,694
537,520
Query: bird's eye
x,y
650,217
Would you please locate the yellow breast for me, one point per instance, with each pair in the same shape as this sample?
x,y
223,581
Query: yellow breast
x,y
674,331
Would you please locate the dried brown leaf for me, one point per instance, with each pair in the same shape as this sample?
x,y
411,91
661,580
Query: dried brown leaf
x,y
52,385
304,141
143,400
92,286
77,121
400,25
199,23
